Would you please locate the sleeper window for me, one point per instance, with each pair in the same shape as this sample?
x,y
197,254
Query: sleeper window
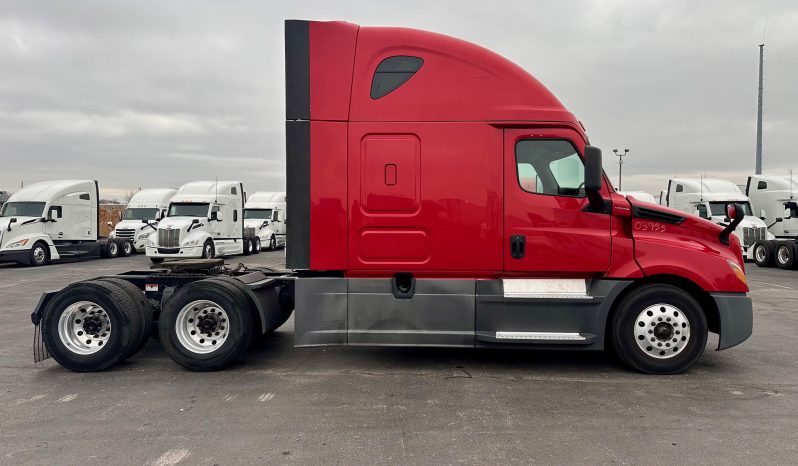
x,y
392,73
549,166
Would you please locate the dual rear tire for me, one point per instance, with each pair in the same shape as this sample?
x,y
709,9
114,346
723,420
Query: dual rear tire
x,y
782,254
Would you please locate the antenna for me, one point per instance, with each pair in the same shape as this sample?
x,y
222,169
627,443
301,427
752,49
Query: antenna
x,y
759,107
702,188
216,190
791,181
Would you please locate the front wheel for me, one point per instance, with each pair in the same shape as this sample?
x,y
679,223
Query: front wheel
x,y
208,250
39,254
659,329
272,243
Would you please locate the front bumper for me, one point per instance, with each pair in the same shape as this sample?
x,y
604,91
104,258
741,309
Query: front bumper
x,y
21,256
735,318
176,253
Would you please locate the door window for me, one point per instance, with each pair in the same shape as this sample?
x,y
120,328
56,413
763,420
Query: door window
x,y
550,166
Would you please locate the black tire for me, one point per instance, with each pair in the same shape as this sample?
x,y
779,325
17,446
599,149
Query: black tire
x,y
238,309
156,260
127,249
765,253
111,249
272,243
654,300
121,312
145,311
256,247
39,254
208,250
785,255
248,246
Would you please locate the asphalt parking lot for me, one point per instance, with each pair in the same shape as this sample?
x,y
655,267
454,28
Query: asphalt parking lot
x,y
361,405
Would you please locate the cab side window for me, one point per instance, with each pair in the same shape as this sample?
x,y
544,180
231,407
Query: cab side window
x,y
550,166
702,211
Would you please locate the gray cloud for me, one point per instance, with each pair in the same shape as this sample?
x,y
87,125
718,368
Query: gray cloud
x,y
151,93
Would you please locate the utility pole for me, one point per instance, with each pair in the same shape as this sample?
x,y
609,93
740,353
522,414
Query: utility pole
x,y
620,155
759,111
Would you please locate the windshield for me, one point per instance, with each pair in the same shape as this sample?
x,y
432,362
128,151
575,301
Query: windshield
x,y
140,214
719,208
188,210
261,214
22,209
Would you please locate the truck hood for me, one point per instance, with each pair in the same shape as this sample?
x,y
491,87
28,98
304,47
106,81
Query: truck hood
x,y
255,223
179,222
132,225
4,221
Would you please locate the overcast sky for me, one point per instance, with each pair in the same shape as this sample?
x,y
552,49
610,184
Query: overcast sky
x,y
158,93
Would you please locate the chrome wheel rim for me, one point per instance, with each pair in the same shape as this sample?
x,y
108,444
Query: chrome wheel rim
x,y
202,326
208,250
84,327
39,254
113,249
783,255
272,243
759,253
662,331
127,247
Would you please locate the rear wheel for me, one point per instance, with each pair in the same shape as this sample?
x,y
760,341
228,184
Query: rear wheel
x,y
659,329
764,253
256,247
206,325
144,310
39,254
785,255
127,249
248,246
89,326
111,249
156,260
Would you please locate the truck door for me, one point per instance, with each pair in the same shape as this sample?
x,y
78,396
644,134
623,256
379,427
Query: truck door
x,y
546,227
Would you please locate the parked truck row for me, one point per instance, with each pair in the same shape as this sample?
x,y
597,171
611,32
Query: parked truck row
x,y
422,218
58,220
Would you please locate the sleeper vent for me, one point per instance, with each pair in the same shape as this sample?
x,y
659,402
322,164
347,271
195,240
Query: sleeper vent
x,y
657,215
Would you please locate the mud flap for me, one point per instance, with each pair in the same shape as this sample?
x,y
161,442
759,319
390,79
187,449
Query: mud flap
x,y
40,352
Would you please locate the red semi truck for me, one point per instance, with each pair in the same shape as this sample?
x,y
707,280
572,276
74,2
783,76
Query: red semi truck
x,y
439,195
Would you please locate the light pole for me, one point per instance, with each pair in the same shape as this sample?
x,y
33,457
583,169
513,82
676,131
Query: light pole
x,y
620,164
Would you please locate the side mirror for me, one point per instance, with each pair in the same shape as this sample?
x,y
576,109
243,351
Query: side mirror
x,y
194,221
109,224
593,178
158,215
735,213
779,219
120,216
787,213
10,221
215,216
762,214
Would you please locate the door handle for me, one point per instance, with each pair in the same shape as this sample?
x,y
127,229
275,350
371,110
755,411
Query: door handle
x,y
517,246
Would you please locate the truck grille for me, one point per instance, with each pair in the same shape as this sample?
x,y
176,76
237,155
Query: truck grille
x,y
169,238
753,234
125,233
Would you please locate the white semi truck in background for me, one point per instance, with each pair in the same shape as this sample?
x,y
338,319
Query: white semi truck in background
x,y
708,198
55,220
141,216
265,213
640,196
775,200
205,219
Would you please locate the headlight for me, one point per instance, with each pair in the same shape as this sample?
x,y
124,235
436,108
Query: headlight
x,y
18,244
150,242
738,271
144,235
193,242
